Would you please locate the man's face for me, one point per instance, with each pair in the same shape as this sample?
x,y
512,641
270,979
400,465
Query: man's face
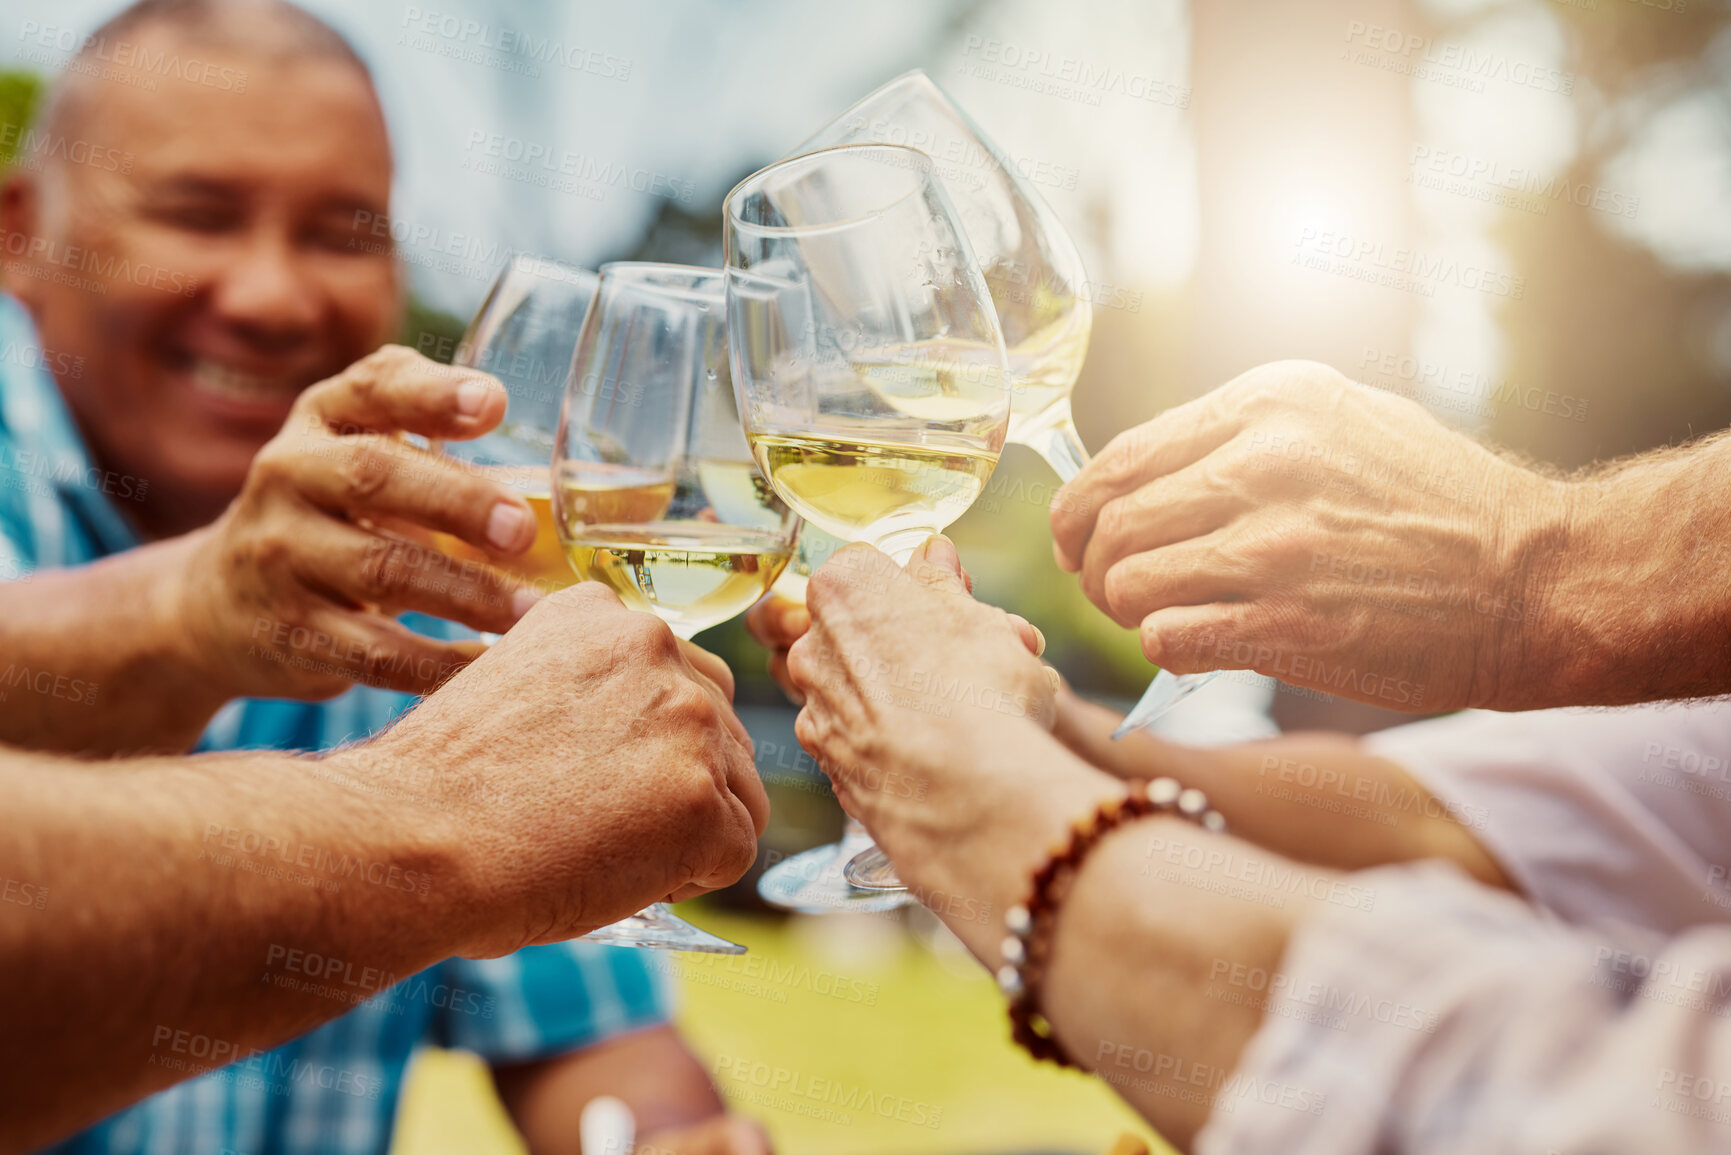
x,y
221,275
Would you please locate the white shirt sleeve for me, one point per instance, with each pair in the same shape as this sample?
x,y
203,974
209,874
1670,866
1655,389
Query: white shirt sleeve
x,y
1598,815
1531,1037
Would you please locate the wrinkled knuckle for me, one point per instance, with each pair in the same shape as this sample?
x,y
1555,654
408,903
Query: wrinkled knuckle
x,y
1124,591
386,570
367,470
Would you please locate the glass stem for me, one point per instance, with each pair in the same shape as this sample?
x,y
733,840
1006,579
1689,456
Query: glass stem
x,y
1061,446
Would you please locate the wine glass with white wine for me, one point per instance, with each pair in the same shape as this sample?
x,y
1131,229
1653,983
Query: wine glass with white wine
x,y
872,383
524,334
1039,287
655,493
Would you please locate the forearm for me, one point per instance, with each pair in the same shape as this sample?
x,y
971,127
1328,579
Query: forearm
x,y
1135,937
97,661
167,898
1316,797
1160,909
1633,607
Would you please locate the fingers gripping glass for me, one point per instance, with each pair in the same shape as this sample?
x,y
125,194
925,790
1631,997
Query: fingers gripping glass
x,y
871,378
655,494
524,334
1039,287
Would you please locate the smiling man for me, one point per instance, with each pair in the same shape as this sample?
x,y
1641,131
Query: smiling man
x,y
207,511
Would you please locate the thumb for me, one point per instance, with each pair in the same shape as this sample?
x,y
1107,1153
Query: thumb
x,y
936,565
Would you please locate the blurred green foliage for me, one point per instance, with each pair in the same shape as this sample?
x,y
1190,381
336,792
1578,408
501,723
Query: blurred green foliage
x,y
20,91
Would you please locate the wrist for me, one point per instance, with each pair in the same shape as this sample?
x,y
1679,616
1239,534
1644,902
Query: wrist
x,y
1535,638
436,857
180,605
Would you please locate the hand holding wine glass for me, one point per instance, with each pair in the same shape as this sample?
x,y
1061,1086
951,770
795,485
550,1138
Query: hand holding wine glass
x,y
872,384
655,494
524,335
1039,287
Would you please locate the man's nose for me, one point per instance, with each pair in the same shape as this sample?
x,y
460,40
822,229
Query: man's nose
x,y
264,291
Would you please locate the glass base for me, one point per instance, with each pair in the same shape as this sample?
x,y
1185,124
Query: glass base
x,y
871,869
658,928
812,883
1164,692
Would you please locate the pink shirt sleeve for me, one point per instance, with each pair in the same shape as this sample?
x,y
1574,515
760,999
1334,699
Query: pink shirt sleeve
x,y
1531,1037
1598,815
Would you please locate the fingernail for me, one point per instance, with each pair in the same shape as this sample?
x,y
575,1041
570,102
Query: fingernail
x,y
509,526
471,395
942,551
1039,640
797,620
1054,677
522,601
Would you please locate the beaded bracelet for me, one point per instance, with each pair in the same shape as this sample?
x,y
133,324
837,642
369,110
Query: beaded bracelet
x,y
1028,925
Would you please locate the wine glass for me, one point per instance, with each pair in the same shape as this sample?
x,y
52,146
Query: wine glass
x,y
872,383
524,334
1038,284
655,493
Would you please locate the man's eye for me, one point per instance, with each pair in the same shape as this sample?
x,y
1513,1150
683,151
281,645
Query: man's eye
x,y
199,218
338,236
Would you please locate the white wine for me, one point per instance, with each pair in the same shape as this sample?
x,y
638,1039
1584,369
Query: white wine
x,y
1044,367
544,567
873,491
691,574
590,493
941,381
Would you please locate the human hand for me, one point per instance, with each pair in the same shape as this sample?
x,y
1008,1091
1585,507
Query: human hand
x,y
902,671
1336,537
588,764
778,622
293,590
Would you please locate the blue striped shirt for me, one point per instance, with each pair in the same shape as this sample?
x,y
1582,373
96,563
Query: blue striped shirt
x,y
335,1089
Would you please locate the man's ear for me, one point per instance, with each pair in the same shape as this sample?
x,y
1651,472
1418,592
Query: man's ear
x,y
20,216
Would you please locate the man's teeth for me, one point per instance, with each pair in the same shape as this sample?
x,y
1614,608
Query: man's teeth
x,y
225,382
